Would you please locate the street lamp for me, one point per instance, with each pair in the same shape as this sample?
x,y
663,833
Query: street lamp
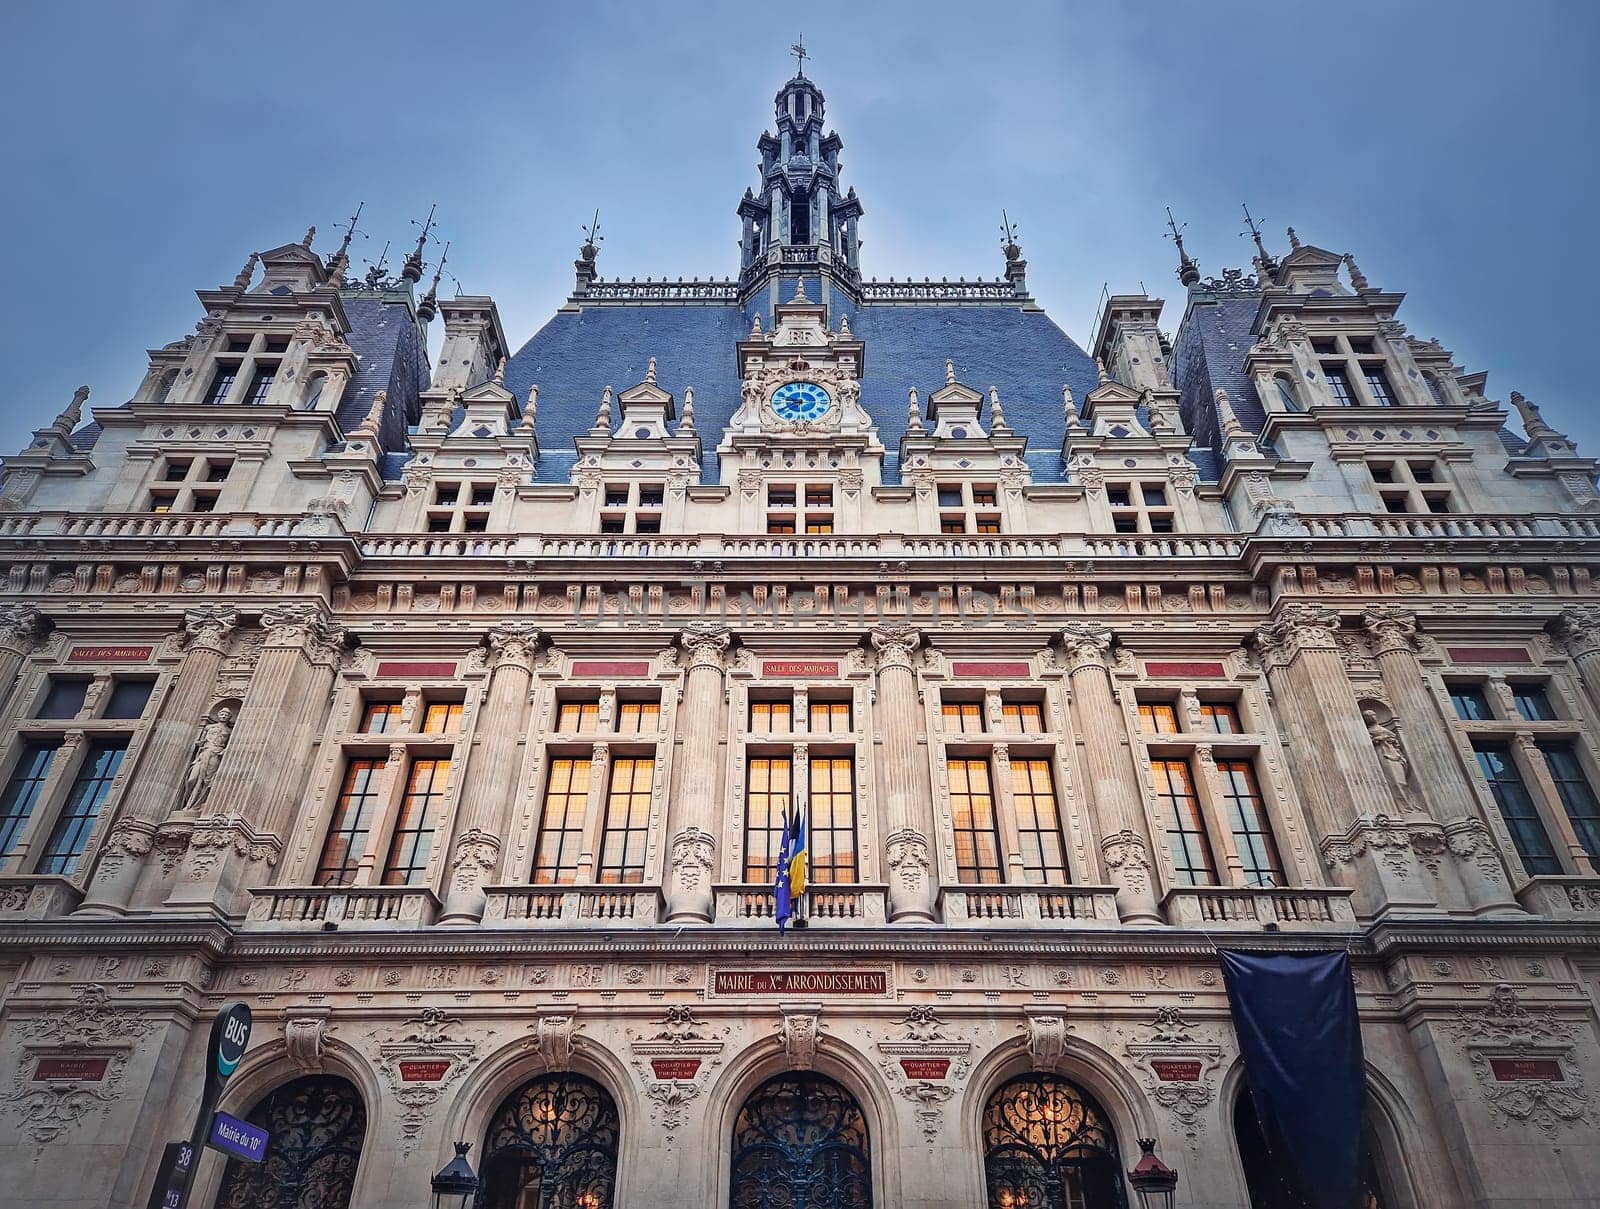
x,y
456,1182
1152,1179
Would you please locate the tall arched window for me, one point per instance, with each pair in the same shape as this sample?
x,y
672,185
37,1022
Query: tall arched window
x,y
801,1139
553,1142
316,1125
1271,1180
1048,1145
1285,393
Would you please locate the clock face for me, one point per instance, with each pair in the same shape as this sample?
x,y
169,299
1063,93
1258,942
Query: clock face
x,y
800,401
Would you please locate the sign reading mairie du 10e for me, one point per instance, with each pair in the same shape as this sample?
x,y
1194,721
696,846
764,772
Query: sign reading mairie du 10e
x,y
238,1138
801,982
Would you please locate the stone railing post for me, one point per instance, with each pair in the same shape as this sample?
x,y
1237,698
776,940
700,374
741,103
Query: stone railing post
x,y
908,802
1113,780
489,787
694,813
182,755
239,819
1435,771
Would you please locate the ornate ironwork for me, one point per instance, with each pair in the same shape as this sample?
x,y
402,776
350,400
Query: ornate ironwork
x,y
800,1142
1047,1145
316,1125
552,1144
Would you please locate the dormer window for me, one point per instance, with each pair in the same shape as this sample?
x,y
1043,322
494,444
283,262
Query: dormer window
x,y
1139,508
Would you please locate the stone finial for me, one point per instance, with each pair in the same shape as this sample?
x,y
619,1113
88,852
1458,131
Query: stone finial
x,y
686,423
531,411
368,427
844,326
650,372
311,233
800,291
1229,422
914,414
1357,277
72,415
997,417
500,373
1294,240
949,371
602,421
242,281
1533,423
1070,408
1100,368
755,328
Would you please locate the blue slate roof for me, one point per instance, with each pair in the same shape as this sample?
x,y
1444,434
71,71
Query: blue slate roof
x,y
577,354
392,356
1208,356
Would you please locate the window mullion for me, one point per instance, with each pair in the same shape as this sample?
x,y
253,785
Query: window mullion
x,y
1209,789
1006,808
392,787
594,819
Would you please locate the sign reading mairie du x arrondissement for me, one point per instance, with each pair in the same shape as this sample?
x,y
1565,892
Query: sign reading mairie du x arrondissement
x,y
856,984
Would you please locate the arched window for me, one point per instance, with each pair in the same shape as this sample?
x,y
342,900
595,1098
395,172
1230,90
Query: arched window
x,y
1271,1180
800,1139
1285,393
314,391
553,1142
1435,388
316,1125
1047,1144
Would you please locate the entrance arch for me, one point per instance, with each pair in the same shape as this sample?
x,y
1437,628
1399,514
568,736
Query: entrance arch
x,y
316,1125
552,1144
800,1142
1048,1145
1270,1179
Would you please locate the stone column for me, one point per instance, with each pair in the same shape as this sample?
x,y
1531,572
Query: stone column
x,y
489,787
240,821
1108,762
182,755
1339,773
1435,772
1578,628
908,793
21,628
694,813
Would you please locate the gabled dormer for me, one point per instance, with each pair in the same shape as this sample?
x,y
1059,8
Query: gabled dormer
x,y
291,269
634,470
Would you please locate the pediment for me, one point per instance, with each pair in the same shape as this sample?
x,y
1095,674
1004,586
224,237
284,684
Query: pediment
x,y
1113,392
488,392
647,393
1308,257
956,393
291,253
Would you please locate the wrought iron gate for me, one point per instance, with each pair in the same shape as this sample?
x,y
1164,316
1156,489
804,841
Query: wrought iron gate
x,y
552,1145
800,1142
317,1124
1046,1145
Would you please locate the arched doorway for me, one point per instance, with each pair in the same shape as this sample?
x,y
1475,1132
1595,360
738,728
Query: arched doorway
x,y
552,1144
1048,1145
316,1125
800,1142
1269,1177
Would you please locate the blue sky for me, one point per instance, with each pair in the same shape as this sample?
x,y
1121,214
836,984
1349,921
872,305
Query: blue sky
x,y
151,147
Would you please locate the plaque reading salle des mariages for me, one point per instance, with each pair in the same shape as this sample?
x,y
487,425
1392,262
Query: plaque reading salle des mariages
x,y
868,983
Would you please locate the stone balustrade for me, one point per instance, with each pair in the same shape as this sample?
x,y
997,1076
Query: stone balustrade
x,y
1258,907
1562,897
1029,906
840,906
572,906
314,908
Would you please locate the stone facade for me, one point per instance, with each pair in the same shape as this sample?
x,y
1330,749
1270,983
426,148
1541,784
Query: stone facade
x,y
446,730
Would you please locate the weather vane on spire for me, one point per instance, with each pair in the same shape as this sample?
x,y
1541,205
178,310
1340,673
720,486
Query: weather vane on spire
x,y
1188,271
798,50
1254,231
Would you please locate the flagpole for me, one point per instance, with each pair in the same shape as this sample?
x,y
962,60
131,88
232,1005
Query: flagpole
x,y
802,816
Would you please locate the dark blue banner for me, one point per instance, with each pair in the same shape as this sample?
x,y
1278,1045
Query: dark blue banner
x,y
1295,1016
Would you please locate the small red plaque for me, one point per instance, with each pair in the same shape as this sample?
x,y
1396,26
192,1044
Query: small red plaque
x,y
90,1070
398,670
610,667
804,668
675,1068
925,1068
1174,1070
991,671
802,982
110,654
427,1071
1542,1070
1184,671
1488,654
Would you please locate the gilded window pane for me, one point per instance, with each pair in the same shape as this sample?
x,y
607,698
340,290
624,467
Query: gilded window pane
x,y
627,820
560,841
1044,853
768,801
418,822
977,831
351,825
1192,861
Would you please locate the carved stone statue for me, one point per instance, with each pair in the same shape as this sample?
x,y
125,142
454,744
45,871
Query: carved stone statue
x,y
1386,738
203,764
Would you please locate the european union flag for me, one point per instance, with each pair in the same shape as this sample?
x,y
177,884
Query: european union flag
x,y
783,902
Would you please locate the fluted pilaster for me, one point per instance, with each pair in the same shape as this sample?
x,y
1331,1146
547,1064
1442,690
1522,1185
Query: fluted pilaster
x,y
490,784
693,816
908,795
1113,780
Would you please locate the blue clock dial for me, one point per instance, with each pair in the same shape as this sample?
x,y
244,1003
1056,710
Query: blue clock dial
x,y
800,401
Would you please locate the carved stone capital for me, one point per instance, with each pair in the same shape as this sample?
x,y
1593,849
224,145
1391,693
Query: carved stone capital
x,y
22,627
706,644
1391,628
303,627
896,645
1087,644
1578,628
513,644
1300,627
209,627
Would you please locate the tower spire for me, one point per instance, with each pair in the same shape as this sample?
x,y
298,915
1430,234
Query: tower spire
x,y
340,260
1265,260
1188,270
411,270
801,54
429,306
